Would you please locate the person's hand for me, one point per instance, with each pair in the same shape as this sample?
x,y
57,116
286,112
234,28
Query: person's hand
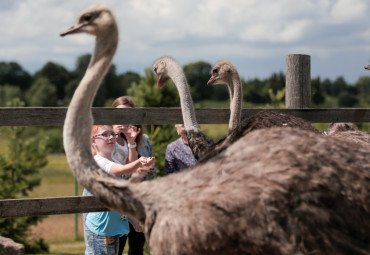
x,y
131,133
147,161
142,171
136,224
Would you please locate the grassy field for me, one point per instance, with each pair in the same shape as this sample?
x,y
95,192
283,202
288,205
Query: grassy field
x,y
59,230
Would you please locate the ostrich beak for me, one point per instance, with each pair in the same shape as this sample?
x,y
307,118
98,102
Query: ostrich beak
x,y
161,81
73,29
211,80
367,67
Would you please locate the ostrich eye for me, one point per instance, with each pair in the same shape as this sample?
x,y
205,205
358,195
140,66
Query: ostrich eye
x,y
215,71
155,69
87,17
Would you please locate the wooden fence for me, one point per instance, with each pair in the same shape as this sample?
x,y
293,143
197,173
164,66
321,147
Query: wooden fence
x,y
297,93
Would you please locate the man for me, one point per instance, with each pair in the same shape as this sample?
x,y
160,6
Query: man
x,y
178,153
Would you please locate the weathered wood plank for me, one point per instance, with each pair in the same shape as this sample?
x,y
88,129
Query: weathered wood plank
x,y
49,206
54,116
298,81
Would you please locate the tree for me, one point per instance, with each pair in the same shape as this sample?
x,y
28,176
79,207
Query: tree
x,y
111,86
42,93
8,92
126,80
57,75
147,94
19,169
13,74
197,75
317,92
346,99
363,87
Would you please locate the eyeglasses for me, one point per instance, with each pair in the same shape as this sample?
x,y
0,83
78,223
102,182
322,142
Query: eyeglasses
x,y
107,135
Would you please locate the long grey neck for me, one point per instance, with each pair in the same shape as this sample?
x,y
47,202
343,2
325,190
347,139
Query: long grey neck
x,y
236,97
187,107
76,137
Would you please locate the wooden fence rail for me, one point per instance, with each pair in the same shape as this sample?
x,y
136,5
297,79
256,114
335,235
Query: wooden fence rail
x,y
298,96
54,116
49,206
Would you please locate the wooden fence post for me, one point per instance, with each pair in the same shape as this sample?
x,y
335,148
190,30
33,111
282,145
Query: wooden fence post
x,y
298,81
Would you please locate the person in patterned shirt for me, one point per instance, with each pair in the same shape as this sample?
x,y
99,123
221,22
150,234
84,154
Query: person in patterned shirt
x,y
178,153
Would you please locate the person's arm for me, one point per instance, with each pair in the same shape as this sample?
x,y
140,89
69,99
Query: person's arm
x,y
129,168
132,146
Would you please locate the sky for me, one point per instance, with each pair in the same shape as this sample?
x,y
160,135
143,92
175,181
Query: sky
x,y
255,35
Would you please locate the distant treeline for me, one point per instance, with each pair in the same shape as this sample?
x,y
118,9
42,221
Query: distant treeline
x,y
54,85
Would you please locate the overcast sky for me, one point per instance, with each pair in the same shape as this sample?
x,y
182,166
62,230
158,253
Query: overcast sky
x,y
255,35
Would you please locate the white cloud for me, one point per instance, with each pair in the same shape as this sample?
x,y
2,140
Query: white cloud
x,y
348,10
189,30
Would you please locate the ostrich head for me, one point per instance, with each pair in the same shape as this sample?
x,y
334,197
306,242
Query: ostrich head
x,y
222,72
367,67
95,20
160,68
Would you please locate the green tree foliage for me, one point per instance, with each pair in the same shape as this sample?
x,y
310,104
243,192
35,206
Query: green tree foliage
x,y
13,74
147,94
19,169
198,74
126,80
363,88
254,92
9,92
57,75
259,92
317,93
42,93
334,88
111,86
347,99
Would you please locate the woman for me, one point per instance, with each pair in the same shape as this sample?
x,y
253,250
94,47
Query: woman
x,y
142,142
103,229
124,143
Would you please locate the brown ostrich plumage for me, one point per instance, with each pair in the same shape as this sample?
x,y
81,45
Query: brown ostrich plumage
x,y
274,191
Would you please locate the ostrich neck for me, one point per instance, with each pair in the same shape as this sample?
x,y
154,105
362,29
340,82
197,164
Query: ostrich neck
x,y
78,122
77,133
186,101
236,95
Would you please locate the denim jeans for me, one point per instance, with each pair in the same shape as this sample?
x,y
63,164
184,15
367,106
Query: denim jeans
x,y
95,244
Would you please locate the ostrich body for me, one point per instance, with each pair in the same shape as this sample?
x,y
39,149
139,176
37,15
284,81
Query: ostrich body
x,y
307,196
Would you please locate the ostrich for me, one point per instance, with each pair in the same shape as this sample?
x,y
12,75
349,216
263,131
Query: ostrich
x,y
223,72
308,196
350,132
167,68
367,67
